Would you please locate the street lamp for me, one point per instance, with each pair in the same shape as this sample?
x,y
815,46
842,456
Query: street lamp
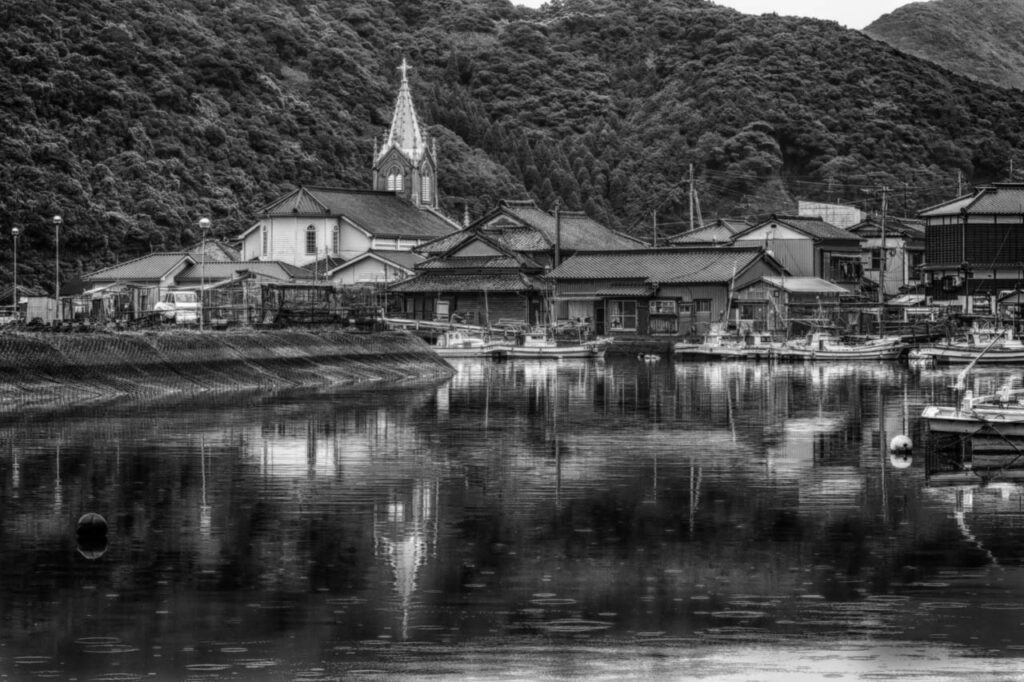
x,y
14,233
56,265
204,225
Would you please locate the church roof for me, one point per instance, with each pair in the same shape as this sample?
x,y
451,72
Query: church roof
x,y
381,214
405,132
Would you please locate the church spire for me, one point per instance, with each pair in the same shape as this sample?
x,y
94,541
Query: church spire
x,y
405,133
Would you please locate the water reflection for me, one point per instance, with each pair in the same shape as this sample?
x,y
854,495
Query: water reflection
x,y
528,504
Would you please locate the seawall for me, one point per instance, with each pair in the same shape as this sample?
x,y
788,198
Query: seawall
x,y
42,370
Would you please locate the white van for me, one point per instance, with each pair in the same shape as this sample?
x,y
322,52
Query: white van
x,y
181,307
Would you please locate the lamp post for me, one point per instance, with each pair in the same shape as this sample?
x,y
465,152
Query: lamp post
x,y
57,220
204,225
14,234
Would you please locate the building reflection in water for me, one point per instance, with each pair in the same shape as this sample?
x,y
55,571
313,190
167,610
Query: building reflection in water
x,y
405,537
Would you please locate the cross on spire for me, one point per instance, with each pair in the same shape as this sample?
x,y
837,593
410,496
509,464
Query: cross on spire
x,y
404,68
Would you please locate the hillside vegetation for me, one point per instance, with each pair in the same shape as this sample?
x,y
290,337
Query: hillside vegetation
x,y
983,39
133,119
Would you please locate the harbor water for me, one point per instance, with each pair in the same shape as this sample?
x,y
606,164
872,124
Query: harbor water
x,y
618,519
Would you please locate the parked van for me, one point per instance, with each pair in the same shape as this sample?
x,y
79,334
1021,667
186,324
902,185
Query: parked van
x,y
181,307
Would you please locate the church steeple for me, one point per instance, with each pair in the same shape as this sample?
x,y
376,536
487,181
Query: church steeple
x,y
406,163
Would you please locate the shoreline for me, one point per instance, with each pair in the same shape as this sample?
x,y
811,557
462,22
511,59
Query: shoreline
x,y
44,370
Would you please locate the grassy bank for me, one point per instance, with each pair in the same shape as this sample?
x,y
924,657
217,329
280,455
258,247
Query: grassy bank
x,y
39,370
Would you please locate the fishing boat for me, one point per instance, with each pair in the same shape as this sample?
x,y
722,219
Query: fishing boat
x,y
456,343
718,345
1001,413
825,346
539,344
1003,347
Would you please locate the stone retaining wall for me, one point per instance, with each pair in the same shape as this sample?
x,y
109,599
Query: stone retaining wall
x,y
51,369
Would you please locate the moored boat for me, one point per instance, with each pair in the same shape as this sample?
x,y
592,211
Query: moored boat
x,y
718,345
823,346
538,344
999,346
1001,413
459,344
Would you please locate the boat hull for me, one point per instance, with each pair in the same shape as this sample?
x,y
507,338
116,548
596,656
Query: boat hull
x,y
554,352
842,354
954,355
1006,421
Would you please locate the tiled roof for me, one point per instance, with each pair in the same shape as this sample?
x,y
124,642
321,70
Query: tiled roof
x,y
468,262
382,214
906,227
805,285
325,265
815,228
431,282
661,266
997,199
579,232
212,272
721,231
403,259
521,239
443,244
150,267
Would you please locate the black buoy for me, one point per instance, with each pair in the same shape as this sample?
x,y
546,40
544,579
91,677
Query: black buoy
x,y
92,535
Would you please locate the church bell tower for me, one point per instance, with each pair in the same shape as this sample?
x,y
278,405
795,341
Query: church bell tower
x,y
406,163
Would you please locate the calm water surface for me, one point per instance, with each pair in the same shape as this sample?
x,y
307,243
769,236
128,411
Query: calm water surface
x,y
524,520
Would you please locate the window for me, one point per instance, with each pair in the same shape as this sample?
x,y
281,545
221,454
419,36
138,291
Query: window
x,y
702,305
395,179
622,315
266,240
876,259
310,241
661,306
426,188
335,239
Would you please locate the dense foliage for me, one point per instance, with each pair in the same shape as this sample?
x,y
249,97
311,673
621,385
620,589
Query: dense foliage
x,y
981,38
133,119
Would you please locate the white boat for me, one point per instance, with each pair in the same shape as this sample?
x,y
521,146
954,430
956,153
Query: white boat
x,y
538,344
990,346
1001,413
718,345
824,346
459,344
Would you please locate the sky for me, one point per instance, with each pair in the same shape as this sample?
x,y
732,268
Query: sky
x,y
856,14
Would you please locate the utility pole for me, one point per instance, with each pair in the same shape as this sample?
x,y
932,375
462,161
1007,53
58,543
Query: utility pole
x,y
691,197
654,242
882,255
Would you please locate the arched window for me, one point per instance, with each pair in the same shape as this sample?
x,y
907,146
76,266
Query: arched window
x,y
335,240
265,246
395,179
426,186
310,241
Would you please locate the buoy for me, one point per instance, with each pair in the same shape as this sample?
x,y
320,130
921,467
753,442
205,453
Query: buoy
x,y
900,460
901,444
92,535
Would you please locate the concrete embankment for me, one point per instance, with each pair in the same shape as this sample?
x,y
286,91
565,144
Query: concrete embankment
x,y
39,370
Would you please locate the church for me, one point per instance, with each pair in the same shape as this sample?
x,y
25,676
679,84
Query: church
x,y
351,236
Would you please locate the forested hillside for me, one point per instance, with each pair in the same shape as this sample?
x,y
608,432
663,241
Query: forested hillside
x,y
983,39
133,119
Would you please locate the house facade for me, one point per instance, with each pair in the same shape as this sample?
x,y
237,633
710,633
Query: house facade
x,y
493,271
894,255
974,248
671,292
809,247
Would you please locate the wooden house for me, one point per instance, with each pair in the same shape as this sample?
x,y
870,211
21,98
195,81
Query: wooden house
x,y
669,291
897,251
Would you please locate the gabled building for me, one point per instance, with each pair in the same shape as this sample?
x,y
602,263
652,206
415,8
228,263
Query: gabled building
x,y
722,232
899,258
809,247
974,247
670,291
312,223
494,269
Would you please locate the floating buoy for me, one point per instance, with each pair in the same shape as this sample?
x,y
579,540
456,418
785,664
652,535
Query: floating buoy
x,y
901,444
92,535
900,460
